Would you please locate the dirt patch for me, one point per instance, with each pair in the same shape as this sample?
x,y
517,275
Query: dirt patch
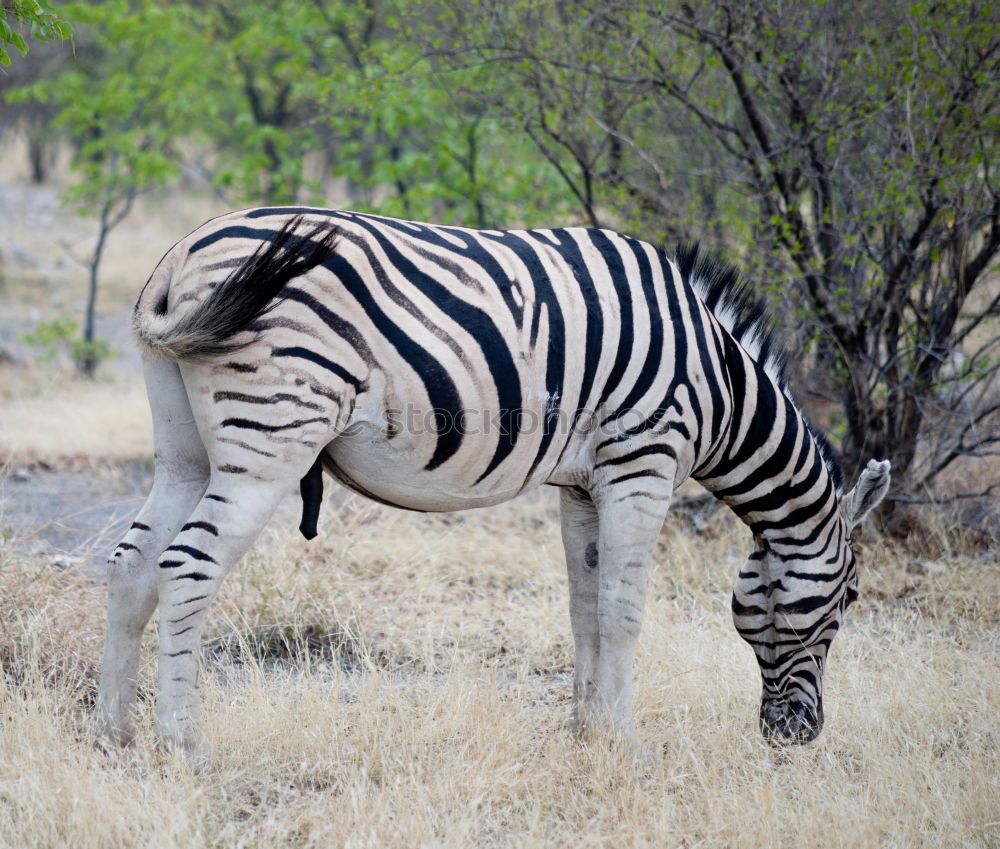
x,y
72,515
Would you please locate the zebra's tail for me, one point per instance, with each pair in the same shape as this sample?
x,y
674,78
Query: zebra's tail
x,y
252,289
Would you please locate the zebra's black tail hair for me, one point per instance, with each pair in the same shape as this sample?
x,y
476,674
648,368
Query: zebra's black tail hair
x,y
252,289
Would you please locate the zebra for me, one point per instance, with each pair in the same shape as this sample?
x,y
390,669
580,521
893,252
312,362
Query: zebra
x,y
440,368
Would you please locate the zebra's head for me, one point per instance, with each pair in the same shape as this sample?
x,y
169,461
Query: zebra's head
x,y
788,605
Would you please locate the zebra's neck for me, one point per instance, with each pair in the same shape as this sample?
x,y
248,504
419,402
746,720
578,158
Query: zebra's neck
x,y
770,468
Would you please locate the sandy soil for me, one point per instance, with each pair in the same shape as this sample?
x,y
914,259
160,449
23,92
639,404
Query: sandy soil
x,y
72,516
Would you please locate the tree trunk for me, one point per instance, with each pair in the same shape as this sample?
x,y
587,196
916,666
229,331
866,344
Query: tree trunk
x,y
86,356
39,155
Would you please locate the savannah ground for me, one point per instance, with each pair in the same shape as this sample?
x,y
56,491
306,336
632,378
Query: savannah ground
x,y
404,680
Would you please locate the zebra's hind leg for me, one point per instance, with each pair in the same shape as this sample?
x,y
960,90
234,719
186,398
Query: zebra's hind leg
x,y
259,450
180,477
579,534
221,528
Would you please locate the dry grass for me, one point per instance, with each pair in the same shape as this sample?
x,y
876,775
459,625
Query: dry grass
x,y
47,414
404,681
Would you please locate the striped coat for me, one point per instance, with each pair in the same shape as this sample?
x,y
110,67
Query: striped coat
x,y
441,368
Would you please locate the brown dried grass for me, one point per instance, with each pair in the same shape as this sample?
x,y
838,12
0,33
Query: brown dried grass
x,y
405,682
47,414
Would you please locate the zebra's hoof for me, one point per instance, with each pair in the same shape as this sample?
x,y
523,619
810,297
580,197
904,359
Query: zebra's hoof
x,y
189,743
111,732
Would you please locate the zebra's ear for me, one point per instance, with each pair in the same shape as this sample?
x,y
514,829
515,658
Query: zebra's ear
x,y
871,489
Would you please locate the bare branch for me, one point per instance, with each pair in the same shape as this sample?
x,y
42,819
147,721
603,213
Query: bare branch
x,y
901,498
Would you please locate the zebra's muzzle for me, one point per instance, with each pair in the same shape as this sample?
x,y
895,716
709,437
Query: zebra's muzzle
x,y
790,722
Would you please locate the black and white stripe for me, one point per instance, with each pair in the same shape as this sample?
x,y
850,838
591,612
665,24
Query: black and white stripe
x,y
440,368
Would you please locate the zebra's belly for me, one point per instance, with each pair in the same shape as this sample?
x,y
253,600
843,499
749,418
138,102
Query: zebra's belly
x,y
393,471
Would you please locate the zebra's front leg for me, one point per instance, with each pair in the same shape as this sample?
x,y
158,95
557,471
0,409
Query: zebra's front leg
x,y
191,569
629,526
579,535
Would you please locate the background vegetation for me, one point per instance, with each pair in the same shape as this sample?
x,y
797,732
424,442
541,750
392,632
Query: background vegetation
x,y
845,154
404,679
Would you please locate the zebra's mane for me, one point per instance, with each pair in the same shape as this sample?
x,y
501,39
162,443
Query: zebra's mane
x,y
730,297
